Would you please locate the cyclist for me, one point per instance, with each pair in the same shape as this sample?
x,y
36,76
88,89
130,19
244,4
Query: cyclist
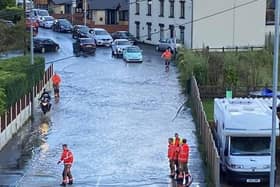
x,y
167,57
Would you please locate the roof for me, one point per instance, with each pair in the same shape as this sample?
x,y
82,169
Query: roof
x,y
245,115
108,4
59,2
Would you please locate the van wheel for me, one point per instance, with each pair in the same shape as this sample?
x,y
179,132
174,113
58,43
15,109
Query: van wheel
x,y
56,48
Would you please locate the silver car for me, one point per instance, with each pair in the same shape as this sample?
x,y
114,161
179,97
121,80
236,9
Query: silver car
x,y
119,45
101,36
47,22
168,43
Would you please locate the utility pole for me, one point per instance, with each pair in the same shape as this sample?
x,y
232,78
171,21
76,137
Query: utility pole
x,y
24,37
32,58
274,105
85,12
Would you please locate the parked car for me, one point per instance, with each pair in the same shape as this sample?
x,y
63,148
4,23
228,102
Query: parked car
x,y
38,14
47,22
118,46
132,54
44,45
62,25
101,37
84,46
124,35
81,31
35,25
168,43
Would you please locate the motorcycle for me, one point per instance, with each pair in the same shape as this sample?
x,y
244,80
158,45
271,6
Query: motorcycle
x,y
45,105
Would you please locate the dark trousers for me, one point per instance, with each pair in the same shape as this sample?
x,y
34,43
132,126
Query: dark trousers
x,y
67,173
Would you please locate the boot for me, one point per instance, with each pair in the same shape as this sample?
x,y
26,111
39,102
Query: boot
x,y
63,184
70,182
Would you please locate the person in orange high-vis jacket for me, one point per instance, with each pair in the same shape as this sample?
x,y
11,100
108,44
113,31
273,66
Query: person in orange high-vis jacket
x,y
177,141
171,156
67,158
56,81
183,158
167,56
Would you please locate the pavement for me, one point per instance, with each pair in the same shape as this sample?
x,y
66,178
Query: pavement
x,y
115,117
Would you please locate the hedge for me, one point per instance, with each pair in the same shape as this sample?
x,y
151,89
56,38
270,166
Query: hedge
x,y
17,76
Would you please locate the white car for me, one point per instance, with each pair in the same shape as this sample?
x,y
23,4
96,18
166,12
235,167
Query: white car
x,y
47,22
101,37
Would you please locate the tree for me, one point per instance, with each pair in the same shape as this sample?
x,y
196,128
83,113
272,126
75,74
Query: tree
x,y
7,3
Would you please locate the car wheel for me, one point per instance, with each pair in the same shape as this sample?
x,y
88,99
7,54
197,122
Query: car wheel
x,y
56,48
43,50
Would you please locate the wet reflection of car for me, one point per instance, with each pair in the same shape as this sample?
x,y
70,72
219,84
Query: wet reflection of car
x,y
86,46
132,54
81,31
119,45
62,25
45,45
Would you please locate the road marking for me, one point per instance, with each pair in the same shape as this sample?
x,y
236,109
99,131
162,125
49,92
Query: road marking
x,y
98,181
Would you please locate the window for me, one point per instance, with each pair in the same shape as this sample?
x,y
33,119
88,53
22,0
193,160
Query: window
x,y
270,8
161,8
161,31
149,4
137,23
182,8
171,9
123,15
182,34
137,11
149,29
171,28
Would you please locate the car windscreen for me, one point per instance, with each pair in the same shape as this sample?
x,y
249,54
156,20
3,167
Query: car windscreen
x,y
64,22
133,50
87,40
101,32
123,43
250,146
49,18
43,13
84,29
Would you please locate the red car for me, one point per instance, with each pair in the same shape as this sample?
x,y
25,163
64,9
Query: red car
x,y
35,25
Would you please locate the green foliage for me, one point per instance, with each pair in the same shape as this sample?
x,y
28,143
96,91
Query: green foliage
x,y
17,76
7,3
14,14
2,100
228,70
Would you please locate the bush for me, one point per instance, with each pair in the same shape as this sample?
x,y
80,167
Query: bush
x,y
17,77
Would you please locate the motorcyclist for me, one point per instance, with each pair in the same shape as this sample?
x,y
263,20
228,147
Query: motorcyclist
x,y
46,95
56,81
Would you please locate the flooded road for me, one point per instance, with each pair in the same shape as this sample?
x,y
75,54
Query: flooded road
x,y
115,117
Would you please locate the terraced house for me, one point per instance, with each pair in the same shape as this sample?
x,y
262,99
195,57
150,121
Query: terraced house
x,y
199,23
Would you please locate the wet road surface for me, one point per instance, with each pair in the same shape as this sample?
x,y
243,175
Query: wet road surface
x,y
115,117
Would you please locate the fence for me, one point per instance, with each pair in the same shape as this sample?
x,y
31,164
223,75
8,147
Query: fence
x,y
232,49
212,157
14,110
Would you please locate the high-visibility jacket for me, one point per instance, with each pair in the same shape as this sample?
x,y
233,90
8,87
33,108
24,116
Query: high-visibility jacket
x,y
67,157
184,153
172,155
167,55
56,79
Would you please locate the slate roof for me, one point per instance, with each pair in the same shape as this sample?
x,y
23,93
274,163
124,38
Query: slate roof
x,y
108,4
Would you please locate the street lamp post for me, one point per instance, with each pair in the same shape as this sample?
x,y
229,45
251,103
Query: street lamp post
x,y
32,57
85,12
274,105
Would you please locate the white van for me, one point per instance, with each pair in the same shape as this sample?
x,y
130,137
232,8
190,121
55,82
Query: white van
x,y
38,14
242,134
